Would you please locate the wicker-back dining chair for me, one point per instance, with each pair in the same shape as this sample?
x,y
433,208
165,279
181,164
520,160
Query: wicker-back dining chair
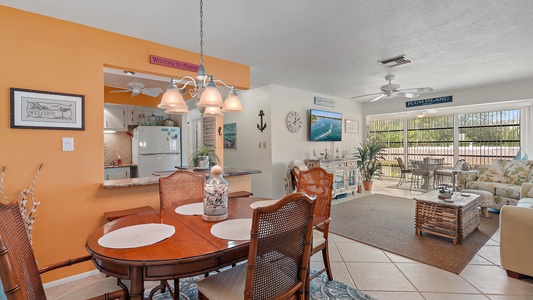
x,y
180,188
18,269
404,170
278,257
318,182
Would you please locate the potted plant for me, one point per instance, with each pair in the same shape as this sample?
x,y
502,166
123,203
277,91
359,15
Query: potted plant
x,y
368,155
204,153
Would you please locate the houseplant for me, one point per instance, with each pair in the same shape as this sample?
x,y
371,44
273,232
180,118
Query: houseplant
x,y
202,152
368,155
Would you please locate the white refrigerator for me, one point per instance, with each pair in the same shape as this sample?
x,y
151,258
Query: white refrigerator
x,y
156,149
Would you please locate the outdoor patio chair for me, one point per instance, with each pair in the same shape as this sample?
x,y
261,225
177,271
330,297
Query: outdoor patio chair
x,y
319,183
420,172
404,170
18,269
440,174
278,257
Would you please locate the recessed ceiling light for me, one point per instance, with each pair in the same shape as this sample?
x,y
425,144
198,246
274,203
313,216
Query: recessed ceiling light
x,y
129,73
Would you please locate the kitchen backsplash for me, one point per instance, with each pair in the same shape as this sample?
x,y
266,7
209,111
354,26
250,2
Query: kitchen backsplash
x,y
116,144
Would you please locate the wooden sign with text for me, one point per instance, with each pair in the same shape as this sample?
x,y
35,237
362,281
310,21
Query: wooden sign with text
x,y
429,101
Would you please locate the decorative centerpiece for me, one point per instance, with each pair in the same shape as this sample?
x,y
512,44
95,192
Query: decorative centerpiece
x,y
215,197
445,194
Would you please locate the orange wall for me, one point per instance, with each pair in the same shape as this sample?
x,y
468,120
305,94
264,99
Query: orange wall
x,y
43,53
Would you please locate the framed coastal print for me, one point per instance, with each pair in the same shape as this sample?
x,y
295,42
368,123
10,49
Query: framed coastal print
x,y
351,126
47,110
230,136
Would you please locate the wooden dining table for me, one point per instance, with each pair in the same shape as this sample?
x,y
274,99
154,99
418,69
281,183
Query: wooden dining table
x,y
190,251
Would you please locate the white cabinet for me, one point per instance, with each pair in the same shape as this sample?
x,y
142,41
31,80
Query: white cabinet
x,y
115,117
344,172
117,173
135,111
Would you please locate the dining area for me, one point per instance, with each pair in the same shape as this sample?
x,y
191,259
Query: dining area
x,y
242,247
428,173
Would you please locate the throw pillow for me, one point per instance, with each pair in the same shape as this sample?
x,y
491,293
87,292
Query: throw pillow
x,y
530,193
491,174
517,171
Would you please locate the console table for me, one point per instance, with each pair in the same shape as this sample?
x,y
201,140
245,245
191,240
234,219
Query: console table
x,y
344,172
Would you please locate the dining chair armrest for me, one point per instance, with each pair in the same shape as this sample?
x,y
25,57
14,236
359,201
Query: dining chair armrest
x,y
66,263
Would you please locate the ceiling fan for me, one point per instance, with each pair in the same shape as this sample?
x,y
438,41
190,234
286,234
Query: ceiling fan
x,y
136,87
391,89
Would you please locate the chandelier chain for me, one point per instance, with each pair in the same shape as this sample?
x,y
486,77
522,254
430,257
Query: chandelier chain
x,y
201,33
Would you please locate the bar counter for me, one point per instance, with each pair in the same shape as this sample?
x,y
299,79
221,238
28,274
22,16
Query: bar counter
x,y
120,183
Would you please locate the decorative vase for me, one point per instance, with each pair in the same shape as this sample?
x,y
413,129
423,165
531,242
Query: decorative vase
x,y
367,185
215,197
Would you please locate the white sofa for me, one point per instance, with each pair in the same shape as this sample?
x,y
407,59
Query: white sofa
x,y
516,235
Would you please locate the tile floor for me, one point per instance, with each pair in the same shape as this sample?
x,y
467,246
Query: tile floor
x,y
387,276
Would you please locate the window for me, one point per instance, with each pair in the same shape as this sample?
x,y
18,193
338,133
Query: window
x,y
482,137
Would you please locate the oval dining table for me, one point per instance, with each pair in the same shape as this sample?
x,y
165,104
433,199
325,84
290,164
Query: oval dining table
x,y
190,251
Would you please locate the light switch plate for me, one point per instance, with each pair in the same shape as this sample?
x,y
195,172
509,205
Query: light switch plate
x,y
68,144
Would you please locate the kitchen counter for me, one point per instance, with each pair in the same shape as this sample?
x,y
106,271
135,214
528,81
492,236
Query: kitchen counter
x,y
228,172
119,166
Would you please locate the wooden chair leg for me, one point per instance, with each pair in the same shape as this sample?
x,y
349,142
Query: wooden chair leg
x,y
485,211
513,274
327,265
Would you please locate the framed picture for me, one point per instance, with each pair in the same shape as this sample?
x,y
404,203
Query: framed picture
x,y
351,126
230,136
47,110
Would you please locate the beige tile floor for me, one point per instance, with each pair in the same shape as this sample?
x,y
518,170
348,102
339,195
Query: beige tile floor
x,y
387,276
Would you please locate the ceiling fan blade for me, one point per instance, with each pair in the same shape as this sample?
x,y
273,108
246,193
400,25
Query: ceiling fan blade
x,y
152,92
366,95
120,91
378,97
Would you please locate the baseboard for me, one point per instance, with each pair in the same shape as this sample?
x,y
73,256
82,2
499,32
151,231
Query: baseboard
x,y
70,279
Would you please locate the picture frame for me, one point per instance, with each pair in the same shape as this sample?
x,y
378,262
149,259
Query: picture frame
x,y
230,136
351,126
33,109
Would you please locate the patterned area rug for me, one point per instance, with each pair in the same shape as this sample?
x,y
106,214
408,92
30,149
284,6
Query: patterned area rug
x,y
321,288
387,222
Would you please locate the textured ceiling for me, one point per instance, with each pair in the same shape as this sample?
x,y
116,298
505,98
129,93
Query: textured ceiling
x,y
331,47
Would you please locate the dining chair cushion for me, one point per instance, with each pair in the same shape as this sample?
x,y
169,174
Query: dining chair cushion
x,y
98,288
225,285
318,238
229,285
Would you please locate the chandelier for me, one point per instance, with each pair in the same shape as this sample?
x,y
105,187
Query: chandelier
x,y
204,87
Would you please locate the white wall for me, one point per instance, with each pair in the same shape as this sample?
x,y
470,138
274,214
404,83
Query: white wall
x,y
282,146
482,98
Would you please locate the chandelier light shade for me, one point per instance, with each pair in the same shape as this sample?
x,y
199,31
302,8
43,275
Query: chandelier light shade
x,y
172,98
232,103
212,111
205,89
177,111
211,96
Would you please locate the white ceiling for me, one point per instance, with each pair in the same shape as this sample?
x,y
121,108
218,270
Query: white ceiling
x,y
331,47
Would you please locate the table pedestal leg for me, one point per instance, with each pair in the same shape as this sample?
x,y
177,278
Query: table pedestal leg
x,y
137,283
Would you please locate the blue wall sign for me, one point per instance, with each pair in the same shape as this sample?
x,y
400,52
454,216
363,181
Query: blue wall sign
x,y
429,101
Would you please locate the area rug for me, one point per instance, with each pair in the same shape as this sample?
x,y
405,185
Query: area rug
x,y
387,222
321,288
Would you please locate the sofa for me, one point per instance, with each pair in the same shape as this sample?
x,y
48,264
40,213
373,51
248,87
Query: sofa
x,y
503,178
516,240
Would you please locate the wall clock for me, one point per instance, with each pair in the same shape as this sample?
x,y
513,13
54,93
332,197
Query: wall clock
x,y
294,121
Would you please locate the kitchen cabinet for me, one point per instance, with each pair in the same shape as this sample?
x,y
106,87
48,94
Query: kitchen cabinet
x,y
344,172
135,111
115,118
117,173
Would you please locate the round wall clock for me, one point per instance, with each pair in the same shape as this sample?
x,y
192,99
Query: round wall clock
x,y
294,121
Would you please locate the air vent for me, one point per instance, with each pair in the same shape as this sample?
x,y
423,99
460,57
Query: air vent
x,y
395,61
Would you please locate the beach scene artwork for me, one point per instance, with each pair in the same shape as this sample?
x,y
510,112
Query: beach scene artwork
x,y
230,136
325,126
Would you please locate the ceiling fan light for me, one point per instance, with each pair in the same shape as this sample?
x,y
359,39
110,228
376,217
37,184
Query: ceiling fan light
x,y
232,103
212,111
211,96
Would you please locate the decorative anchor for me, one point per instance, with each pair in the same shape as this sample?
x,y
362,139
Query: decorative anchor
x,y
263,125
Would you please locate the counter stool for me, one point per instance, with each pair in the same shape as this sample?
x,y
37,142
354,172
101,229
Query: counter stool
x,y
484,200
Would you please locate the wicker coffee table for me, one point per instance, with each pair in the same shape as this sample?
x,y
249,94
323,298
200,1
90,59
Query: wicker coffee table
x,y
454,220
